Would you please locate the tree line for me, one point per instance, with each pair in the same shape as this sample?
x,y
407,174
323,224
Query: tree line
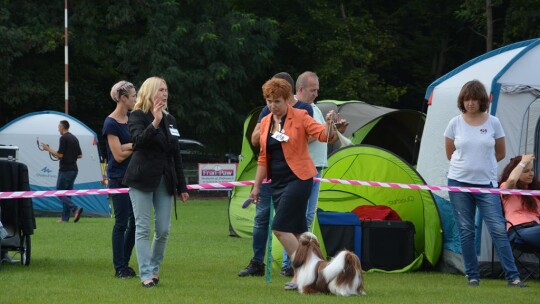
x,y
215,55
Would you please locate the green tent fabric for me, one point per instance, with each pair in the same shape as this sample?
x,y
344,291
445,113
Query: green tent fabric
x,y
369,163
241,220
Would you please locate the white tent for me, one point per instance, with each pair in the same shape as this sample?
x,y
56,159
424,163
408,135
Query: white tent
x,y
511,75
26,131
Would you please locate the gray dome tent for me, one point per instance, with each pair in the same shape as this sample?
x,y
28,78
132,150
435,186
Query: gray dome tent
x,y
398,131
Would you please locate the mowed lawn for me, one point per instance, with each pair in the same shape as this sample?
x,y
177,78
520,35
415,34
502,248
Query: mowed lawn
x,y
72,263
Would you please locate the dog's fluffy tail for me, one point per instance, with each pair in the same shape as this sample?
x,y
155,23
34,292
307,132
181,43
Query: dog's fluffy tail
x,y
335,267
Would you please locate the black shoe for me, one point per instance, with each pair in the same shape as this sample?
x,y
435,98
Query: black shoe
x,y
255,268
287,272
77,214
131,272
155,280
124,273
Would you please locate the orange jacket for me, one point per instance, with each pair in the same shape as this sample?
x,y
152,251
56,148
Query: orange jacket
x,y
299,126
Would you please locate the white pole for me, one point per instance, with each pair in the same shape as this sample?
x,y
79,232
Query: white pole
x,y
66,61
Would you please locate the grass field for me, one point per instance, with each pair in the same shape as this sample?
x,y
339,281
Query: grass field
x,y
72,263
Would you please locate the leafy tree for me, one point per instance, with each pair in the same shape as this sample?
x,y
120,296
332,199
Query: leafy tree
x,y
205,51
339,40
522,21
31,37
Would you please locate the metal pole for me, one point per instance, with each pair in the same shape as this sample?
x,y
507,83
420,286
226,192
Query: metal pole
x,y
66,84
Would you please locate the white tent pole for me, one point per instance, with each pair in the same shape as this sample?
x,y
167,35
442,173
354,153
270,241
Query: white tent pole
x,y
66,61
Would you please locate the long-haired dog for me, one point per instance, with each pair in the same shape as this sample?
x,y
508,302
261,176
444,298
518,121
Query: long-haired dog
x,y
340,276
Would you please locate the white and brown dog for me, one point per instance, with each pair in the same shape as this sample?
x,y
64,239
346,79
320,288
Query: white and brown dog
x,y
340,276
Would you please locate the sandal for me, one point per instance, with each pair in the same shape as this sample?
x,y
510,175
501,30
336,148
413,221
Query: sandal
x,y
517,283
155,280
149,284
290,286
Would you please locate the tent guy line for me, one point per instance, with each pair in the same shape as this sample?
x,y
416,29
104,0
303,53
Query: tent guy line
x,y
228,185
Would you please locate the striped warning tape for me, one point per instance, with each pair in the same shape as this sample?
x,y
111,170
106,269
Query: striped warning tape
x,y
228,185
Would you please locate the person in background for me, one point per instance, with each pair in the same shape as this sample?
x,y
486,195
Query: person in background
x,y
284,158
154,175
262,211
119,150
522,212
68,152
474,143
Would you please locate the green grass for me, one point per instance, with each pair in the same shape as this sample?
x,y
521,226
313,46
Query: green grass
x,y
72,263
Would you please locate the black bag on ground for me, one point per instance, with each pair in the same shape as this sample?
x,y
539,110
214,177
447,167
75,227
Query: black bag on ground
x,y
387,245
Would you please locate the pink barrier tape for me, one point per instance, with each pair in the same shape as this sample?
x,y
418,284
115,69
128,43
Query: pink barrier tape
x,y
431,188
228,185
80,192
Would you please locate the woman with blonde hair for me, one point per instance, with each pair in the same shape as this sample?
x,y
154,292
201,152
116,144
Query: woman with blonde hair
x,y
155,175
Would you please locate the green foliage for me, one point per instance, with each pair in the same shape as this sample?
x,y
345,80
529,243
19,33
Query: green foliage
x,y
29,42
216,54
522,20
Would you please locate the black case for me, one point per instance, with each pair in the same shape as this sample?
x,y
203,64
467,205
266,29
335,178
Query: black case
x,y
387,245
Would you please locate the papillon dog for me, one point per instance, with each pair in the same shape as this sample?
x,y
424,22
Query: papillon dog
x,y
340,276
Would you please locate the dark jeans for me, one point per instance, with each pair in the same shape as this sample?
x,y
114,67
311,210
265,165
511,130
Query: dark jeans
x,y
65,181
260,225
123,234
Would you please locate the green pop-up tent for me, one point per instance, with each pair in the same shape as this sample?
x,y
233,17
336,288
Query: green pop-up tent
x,y
369,163
241,220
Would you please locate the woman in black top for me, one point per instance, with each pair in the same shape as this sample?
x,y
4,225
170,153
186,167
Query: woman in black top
x,y
154,175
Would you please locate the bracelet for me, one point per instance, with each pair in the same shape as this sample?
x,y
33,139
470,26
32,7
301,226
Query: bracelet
x,y
522,165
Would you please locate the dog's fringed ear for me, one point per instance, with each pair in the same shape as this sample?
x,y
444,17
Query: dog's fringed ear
x,y
300,256
317,251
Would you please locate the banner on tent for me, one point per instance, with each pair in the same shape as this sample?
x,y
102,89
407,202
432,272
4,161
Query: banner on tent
x,y
226,185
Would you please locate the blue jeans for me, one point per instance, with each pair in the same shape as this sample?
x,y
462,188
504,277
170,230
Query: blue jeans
x,y
490,208
65,181
123,233
150,257
528,235
310,213
260,225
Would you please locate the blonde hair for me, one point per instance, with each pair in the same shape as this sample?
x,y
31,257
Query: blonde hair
x,y
147,92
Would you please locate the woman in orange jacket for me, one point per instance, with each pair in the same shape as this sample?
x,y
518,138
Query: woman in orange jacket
x,y
284,158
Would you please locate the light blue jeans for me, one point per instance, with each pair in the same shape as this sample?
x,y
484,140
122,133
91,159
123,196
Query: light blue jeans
x,y
150,257
490,208
310,213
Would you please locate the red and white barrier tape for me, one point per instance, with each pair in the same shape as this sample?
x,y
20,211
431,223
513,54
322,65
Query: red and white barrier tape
x,y
227,185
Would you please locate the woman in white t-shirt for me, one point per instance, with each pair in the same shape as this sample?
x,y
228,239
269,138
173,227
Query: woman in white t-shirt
x,y
474,143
